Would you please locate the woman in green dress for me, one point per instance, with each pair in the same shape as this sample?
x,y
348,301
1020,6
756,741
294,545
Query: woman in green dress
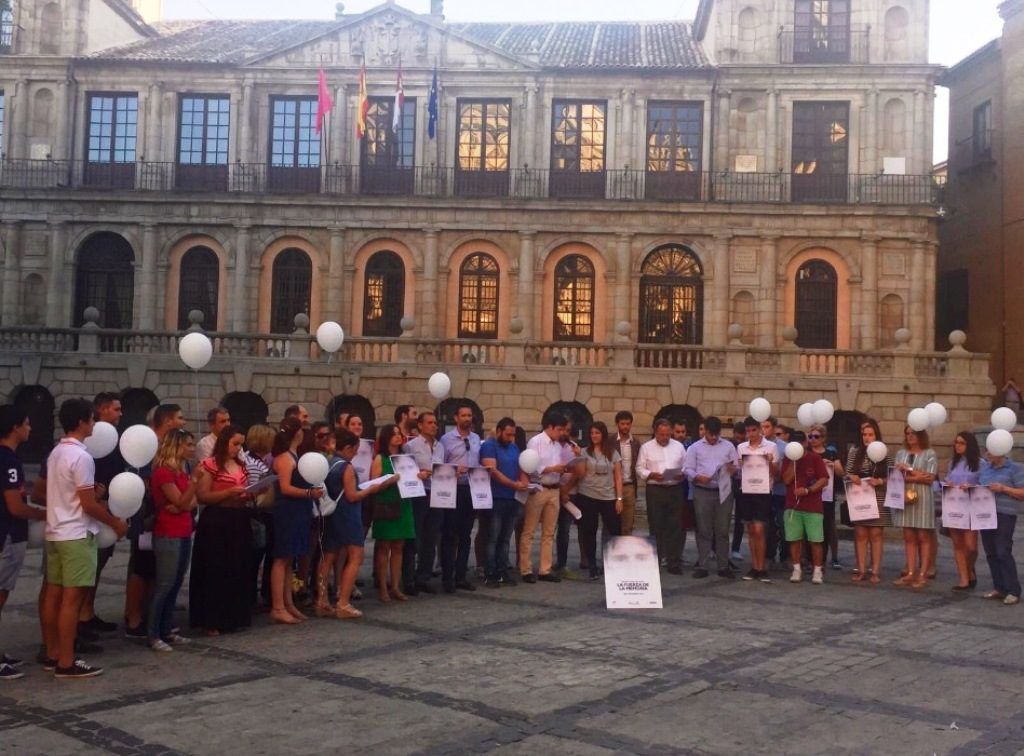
x,y
389,532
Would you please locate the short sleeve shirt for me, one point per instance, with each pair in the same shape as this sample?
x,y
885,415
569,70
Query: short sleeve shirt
x,y
69,470
809,469
599,482
169,524
13,480
506,460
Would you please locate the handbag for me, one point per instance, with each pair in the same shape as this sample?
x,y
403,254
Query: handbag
x,y
386,510
910,493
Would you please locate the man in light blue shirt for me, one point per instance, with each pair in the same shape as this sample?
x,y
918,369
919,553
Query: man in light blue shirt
x,y
418,553
461,448
706,461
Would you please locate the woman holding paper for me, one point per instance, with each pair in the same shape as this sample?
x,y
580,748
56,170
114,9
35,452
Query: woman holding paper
x,y
860,468
390,534
599,492
964,472
919,465
1005,479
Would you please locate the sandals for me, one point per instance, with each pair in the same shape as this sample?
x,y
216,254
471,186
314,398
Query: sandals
x,y
347,612
906,579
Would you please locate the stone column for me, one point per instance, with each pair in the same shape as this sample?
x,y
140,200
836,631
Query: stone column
x,y
718,323
623,280
931,253
530,127
526,284
154,122
922,162
871,138
17,142
918,297
720,159
767,327
771,146
334,301
60,150
337,126
243,148
431,300
627,146
868,294
240,271
11,274
146,317
57,294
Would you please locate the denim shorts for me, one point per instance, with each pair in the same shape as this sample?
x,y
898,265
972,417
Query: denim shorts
x,y
12,557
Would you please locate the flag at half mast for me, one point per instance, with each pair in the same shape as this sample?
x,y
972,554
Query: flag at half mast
x,y
396,115
363,106
432,107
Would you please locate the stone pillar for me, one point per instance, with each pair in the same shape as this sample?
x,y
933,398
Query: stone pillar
x,y
146,317
239,305
918,297
11,274
57,294
718,325
720,159
623,279
526,282
61,150
627,156
154,122
922,162
431,287
337,126
868,295
243,151
531,127
771,145
930,340
17,142
767,327
334,301
871,137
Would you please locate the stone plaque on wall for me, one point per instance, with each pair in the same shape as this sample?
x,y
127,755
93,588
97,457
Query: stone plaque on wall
x,y
894,264
744,260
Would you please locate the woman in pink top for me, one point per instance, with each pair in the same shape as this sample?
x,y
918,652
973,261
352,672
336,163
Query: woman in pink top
x,y
174,494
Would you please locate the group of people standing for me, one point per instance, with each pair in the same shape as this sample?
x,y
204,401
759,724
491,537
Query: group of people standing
x,y
233,512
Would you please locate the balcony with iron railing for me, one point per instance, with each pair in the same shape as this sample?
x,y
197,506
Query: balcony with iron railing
x,y
355,181
824,46
976,152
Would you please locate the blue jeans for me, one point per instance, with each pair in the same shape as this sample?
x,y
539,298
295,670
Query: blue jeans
x,y
999,553
172,557
503,522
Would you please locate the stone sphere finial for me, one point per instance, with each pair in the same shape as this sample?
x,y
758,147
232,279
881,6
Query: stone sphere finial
x,y
196,317
790,334
407,324
902,336
957,338
91,316
301,322
735,333
516,325
624,328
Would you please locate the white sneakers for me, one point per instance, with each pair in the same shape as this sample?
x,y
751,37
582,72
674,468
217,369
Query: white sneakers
x,y
817,578
797,576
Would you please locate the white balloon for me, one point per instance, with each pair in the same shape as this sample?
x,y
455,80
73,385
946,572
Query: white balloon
x,y
103,440
760,409
805,414
195,350
794,450
1004,418
36,533
313,467
936,414
877,451
125,495
999,442
529,461
330,336
822,411
138,445
106,537
918,419
439,385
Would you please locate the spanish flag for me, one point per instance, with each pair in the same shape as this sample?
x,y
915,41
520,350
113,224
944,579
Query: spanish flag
x,y
363,105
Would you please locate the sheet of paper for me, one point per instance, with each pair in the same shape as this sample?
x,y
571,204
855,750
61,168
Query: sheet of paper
x,y
573,510
375,481
443,482
956,507
895,489
983,508
672,473
363,460
829,492
146,541
632,579
724,485
480,488
861,501
261,484
755,474
409,484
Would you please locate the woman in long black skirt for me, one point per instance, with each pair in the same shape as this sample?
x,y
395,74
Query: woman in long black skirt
x,y
219,590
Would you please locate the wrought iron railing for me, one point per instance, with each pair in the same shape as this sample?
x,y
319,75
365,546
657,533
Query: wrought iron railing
x,y
807,45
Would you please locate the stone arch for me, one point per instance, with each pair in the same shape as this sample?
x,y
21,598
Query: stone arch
x,y
744,312
747,23
747,126
455,261
445,412
891,317
38,403
844,431
896,34
840,264
247,409
704,256
175,255
671,296
136,404
685,412
41,127
894,127
51,29
580,417
267,277
601,308
105,279
33,300
358,291
354,404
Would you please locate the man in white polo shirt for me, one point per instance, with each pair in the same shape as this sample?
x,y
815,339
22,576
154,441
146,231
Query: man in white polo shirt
x,y
73,517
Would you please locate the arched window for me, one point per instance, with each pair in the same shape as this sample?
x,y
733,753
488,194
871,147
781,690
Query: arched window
x,y
199,286
574,299
748,32
894,128
291,287
105,279
38,404
478,297
42,118
384,295
816,305
890,320
50,29
897,26
672,297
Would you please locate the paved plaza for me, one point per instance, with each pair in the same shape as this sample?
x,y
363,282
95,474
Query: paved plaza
x,y
726,668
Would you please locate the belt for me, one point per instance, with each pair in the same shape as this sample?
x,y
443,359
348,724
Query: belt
x,y
550,488
706,488
629,482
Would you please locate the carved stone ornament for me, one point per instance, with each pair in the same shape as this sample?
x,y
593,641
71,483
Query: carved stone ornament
x,y
386,38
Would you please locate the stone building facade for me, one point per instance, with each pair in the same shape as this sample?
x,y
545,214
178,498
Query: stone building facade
x,y
982,236
661,215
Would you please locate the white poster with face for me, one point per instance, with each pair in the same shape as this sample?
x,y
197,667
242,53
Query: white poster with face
x,y
983,509
861,501
755,474
631,576
956,508
480,488
829,492
409,484
895,489
363,460
443,482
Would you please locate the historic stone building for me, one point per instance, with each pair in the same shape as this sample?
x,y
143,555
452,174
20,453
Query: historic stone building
x,y
982,251
670,216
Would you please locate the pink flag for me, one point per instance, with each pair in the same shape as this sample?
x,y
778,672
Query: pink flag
x,y
396,116
323,101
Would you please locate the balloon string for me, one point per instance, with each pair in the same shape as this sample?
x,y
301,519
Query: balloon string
x,y
199,421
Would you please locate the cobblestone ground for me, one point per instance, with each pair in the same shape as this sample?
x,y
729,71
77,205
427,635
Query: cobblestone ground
x,y
725,668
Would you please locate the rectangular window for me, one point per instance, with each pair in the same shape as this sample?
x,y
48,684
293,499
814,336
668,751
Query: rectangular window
x,y
674,143
388,156
6,26
578,148
483,142
821,31
981,136
820,151
111,137
294,145
952,290
203,123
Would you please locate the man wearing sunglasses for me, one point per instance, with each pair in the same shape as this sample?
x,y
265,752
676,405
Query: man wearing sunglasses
x,y
462,449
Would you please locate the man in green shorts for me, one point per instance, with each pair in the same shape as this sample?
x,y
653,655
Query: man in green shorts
x,y
73,517
804,517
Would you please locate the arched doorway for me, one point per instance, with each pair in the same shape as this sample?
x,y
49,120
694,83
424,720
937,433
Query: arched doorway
x,y
354,404
246,408
844,431
445,412
688,414
815,315
38,404
580,416
105,279
672,297
136,404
